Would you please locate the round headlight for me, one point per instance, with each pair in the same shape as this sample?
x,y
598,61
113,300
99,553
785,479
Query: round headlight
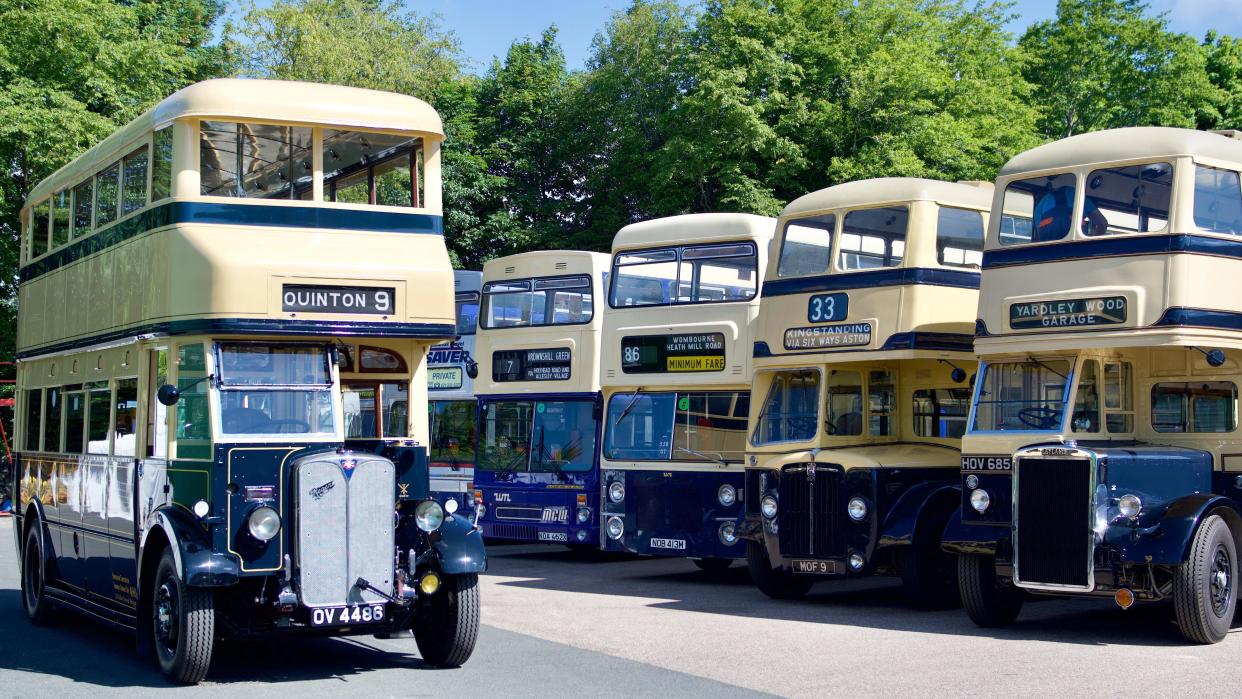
x,y
616,491
726,495
768,506
728,533
1130,505
264,523
972,481
616,527
857,508
450,506
429,515
856,561
584,515
202,509
980,500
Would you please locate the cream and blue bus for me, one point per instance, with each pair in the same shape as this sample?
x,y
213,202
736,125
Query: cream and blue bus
x,y
1102,455
862,363
683,298
225,312
536,473
451,370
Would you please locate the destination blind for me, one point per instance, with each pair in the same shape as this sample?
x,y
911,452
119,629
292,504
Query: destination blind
x,y
1067,313
828,336
660,354
545,364
311,298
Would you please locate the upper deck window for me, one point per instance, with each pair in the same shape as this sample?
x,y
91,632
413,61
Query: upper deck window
x,y
161,163
1218,200
83,201
1130,199
959,237
39,229
873,238
254,160
107,194
370,168
1038,209
134,181
61,213
807,246
681,275
533,302
467,312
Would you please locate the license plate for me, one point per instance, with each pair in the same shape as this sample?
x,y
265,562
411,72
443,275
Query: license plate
x,y
677,544
815,567
553,536
347,615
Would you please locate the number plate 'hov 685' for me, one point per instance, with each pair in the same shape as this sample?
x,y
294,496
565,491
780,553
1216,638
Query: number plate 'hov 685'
x,y
347,615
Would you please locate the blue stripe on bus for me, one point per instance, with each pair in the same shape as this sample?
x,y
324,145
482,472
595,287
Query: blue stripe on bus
x,y
224,213
952,342
258,326
962,279
1119,246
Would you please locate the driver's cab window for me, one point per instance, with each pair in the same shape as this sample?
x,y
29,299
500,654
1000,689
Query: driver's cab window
x,y
882,403
1086,416
193,414
1118,397
844,416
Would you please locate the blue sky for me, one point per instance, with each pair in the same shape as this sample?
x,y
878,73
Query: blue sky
x,y
487,27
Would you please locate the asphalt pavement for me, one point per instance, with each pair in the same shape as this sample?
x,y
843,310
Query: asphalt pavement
x,y
558,623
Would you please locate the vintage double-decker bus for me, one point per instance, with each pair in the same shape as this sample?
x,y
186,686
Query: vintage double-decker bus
x,y
1102,455
862,361
683,297
451,370
197,292
537,468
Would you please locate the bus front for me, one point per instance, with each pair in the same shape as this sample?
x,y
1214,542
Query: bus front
x,y
1099,455
862,368
537,466
683,300
451,370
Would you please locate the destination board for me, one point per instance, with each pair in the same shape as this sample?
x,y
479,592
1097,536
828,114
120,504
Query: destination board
x,y
1068,313
663,354
549,364
309,298
825,308
828,336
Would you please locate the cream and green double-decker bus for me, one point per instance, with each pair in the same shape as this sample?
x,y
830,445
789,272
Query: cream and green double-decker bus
x,y
195,292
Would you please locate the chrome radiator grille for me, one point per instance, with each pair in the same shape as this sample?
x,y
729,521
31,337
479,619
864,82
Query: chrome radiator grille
x,y
344,528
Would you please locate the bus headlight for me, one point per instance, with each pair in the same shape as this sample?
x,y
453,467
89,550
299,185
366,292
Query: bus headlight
x,y
857,509
980,500
616,528
584,515
728,533
450,505
264,523
616,491
768,506
429,515
1130,505
972,481
726,495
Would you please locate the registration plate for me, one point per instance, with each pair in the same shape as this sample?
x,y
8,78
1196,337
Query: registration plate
x,y
676,544
553,536
815,567
347,615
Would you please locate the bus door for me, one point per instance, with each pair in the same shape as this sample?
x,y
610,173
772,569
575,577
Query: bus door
x,y
95,546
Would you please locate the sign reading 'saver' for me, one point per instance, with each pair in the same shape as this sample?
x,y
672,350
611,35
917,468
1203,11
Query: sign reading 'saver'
x,y
308,298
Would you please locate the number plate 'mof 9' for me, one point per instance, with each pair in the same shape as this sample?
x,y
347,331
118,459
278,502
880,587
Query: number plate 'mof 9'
x,y
825,308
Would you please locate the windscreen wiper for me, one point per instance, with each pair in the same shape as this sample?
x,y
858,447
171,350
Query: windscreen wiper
x,y
629,406
1035,361
714,459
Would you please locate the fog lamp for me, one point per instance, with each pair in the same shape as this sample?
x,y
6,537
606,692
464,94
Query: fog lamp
x,y
1124,597
980,500
429,584
429,515
728,533
1130,505
264,523
972,481
616,528
616,491
856,562
768,506
726,495
584,515
450,505
582,535
202,509
857,508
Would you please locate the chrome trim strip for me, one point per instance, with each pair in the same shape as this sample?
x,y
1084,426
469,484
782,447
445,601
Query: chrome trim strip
x,y
1063,452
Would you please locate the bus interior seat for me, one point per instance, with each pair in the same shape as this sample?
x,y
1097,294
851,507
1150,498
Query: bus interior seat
x,y
849,423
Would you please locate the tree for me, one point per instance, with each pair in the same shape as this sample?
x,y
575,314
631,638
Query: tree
x,y
1224,69
1108,63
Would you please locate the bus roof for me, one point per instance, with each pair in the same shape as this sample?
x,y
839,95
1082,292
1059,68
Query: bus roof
x,y
544,263
693,228
465,280
1135,143
282,101
881,190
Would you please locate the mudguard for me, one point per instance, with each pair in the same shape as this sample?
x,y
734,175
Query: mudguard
x,y
460,546
1168,541
903,519
971,538
197,563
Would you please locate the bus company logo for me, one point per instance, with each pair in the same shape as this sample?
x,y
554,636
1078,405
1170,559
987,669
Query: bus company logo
x,y
503,497
672,544
555,515
443,354
828,336
553,536
1056,451
319,491
1108,310
987,463
810,472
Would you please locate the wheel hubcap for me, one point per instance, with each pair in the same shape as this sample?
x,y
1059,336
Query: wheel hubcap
x,y
166,616
1221,584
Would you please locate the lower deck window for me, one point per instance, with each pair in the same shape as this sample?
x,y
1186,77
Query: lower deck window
x,y
670,426
538,436
941,412
1208,406
454,424
376,410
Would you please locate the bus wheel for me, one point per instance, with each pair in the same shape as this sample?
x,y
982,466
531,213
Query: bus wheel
x,y
183,624
989,602
928,572
1205,590
774,583
447,632
712,565
34,586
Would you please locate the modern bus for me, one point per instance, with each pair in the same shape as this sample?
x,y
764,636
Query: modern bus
x,y
537,468
195,291
683,298
1102,453
451,369
862,363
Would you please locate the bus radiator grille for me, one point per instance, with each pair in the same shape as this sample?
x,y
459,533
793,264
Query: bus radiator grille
x,y
807,517
1054,521
517,532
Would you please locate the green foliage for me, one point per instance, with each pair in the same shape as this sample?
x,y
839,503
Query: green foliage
x,y
1224,69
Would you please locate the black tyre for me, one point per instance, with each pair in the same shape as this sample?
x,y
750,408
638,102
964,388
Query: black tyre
x,y
714,566
446,634
1205,591
989,602
34,584
183,624
928,572
774,583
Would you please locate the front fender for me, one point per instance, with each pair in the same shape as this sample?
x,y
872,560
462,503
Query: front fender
x,y
979,539
1168,541
197,563
902,521
460,546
